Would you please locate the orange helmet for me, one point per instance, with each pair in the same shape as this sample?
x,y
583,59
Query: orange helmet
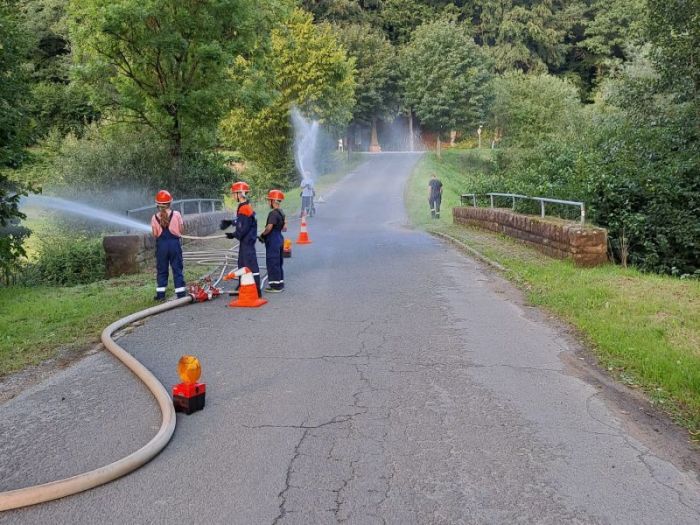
x,y
275,195
240,187
163,197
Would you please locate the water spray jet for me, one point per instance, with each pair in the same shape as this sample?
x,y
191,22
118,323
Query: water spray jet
x,y
305,142
83,210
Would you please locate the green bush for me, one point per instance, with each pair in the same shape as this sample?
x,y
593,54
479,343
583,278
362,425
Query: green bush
x,y
638,180
530,108
109,161
66,261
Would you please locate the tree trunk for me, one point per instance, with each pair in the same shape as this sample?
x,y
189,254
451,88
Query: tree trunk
x,y
439,153
349,136
176,145
374,146
410,129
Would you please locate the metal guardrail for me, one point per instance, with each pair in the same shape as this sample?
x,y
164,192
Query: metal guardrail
x,y
212,205
466,197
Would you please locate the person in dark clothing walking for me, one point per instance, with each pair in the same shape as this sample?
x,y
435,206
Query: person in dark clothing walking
x,y
167,227
274,242
246,230
434,196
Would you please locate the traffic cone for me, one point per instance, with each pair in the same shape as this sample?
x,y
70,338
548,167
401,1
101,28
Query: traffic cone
x,y
287,249
303,234
247,292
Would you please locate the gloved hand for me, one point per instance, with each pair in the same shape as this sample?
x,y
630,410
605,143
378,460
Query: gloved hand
x,y
225,224
261,239
230,235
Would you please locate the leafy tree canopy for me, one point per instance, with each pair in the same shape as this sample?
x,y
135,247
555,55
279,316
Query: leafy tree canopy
x,y
14,42
13,132
673,27
529,35
528,108
306,68
376,71
58,103
164,63
446,76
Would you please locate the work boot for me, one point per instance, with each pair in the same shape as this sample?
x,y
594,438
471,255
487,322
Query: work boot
x,y
180,295
432,214
437,215
159,298
269,289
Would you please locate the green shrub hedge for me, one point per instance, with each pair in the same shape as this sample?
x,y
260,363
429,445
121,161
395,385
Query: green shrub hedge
x,y
66,262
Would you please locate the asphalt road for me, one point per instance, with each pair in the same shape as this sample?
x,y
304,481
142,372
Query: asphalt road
x,y
394,381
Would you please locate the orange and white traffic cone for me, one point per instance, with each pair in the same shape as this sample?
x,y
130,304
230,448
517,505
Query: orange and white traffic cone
x,y
303,234
247,292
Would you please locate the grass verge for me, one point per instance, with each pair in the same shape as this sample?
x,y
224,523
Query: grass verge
x,y
643,328
37,321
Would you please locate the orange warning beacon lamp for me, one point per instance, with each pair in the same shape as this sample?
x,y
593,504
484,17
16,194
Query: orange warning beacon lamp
x,y
287,248
189,396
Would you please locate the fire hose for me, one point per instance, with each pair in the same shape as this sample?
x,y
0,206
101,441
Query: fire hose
x,y
14,499
24,497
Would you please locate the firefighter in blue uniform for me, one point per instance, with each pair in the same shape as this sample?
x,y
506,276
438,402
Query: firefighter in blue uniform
x,y
167,227
274,242
246,230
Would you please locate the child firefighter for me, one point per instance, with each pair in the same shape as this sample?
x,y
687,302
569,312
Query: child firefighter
x,y
274,241
167,227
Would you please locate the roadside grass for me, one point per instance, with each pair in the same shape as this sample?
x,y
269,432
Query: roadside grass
x,y
644,329
38,321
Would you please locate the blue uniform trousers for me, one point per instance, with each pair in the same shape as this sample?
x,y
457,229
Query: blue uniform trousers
x,y
274,243
169,254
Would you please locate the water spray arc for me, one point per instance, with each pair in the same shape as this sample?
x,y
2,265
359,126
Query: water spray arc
x,y
305,142
83,210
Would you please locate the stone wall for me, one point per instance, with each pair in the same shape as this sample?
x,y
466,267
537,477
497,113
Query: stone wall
x,y
585,245
131,253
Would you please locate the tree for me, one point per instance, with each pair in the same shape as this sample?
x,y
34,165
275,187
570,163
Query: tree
x,y
399,18
615,27
13,86
13,132
306,68
350,11
528,108
446,77
529,35
164,63
376,73
673,28
58,103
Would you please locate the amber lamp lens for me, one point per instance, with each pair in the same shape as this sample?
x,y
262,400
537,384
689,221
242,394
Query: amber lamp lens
x,y
189,369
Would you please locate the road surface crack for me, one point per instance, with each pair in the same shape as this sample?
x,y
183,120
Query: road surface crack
x,y
343,418
641,455
288,478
